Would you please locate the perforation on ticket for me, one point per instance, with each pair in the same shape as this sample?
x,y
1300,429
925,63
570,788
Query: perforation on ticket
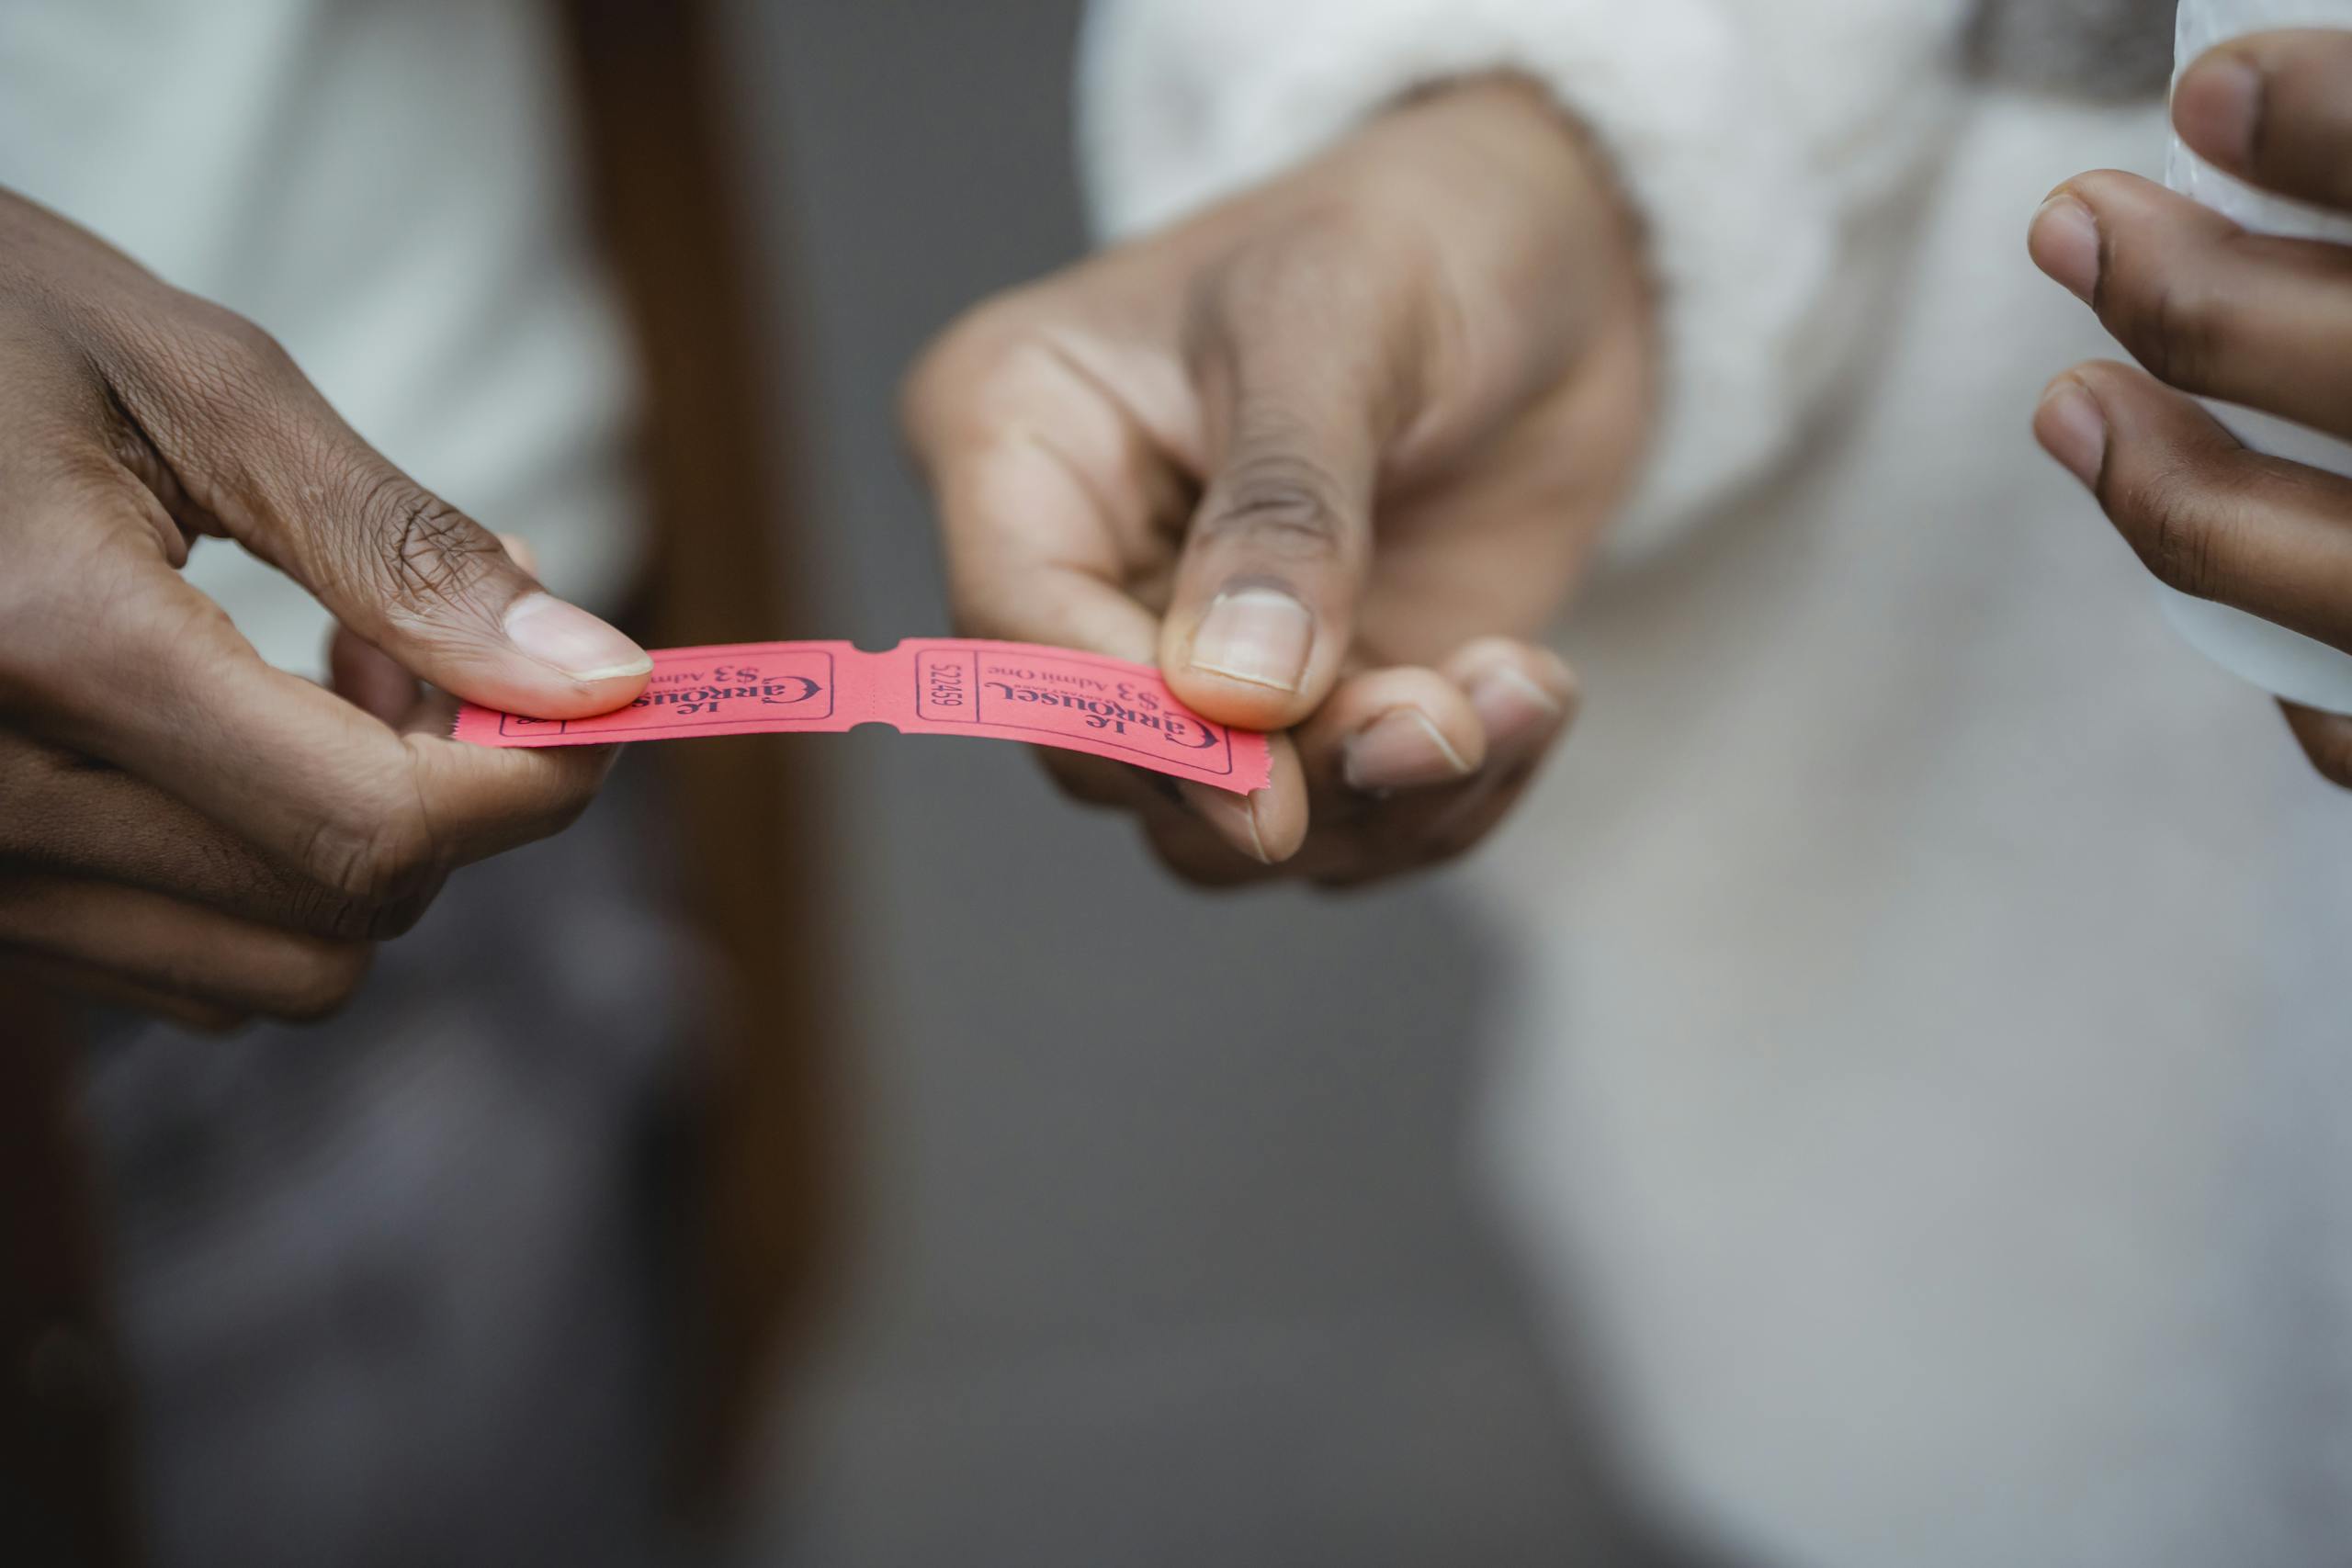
x,y
1008,691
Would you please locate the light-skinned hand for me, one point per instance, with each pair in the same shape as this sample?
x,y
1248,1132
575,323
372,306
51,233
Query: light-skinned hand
x,y
1329,453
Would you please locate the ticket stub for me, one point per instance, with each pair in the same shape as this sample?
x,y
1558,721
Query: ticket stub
x,y
1006,690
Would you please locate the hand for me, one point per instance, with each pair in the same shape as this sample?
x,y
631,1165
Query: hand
x,y
183,828
1325,452
2213,310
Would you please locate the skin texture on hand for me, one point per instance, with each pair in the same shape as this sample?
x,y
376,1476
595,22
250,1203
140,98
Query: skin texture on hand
x,y
183,828
2213,310
1327,452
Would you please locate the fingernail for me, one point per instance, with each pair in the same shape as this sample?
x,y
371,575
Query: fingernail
x,y
1400,750
1260,636
572,640
2218,108
2064,243
1511,707
2072,428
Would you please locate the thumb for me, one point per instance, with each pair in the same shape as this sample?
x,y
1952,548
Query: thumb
x,y
1265,594
275,467
433,590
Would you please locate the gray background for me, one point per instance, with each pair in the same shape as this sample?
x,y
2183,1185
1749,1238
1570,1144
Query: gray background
x,y
1166,1252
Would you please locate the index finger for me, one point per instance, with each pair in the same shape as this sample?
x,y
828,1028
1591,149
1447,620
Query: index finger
x,y
1029,556
173,694
1032,555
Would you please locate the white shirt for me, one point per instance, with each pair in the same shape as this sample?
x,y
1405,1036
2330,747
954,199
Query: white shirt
x,y
1927,1068
386,188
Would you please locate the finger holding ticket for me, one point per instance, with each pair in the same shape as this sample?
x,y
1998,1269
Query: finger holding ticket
x,y
1329,454
183,827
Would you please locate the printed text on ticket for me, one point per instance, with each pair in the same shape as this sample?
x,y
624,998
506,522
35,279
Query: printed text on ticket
x,y
1008,691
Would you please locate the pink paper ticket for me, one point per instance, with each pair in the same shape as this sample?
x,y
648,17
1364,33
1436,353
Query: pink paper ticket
x,y
1009,690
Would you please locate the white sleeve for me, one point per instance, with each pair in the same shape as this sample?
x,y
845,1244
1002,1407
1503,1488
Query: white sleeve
x,y
1758,137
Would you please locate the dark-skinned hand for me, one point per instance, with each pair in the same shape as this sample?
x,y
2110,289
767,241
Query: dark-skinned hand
x,y
2211,309
183,828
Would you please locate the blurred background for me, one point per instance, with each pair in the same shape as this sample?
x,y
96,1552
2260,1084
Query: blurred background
x,y
1065,1216
1162,1246
854,1151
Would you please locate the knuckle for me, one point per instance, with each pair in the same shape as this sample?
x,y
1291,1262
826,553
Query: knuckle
x,y
339,915
1282,503
328,912
2177,324
224,865
429,554
373,861
249,345
2174,527
226,360
396,917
